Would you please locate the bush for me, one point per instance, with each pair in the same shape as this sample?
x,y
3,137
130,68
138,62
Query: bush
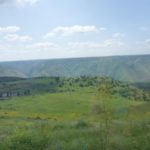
x,y
81,124
28,142
97,109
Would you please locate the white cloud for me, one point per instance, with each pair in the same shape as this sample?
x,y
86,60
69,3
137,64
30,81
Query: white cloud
x,y
113,43
19,2
102,29
118,35
146,43
42,46
84,45
67,31
9,29
9,33
143,45
25,2
2,47
50,35
107,44
16,37
143,42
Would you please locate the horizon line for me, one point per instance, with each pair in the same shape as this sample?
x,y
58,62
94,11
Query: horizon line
x,y
67,58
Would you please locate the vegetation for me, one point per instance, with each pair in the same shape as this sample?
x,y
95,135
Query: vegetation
x,y
82,113
61,84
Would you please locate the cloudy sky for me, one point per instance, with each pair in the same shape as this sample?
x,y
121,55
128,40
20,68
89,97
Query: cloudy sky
x,y
37,29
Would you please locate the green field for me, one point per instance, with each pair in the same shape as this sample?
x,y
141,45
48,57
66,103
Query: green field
x,y
80,119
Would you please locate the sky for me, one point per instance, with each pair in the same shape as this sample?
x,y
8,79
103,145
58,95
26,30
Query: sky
x,y
41,29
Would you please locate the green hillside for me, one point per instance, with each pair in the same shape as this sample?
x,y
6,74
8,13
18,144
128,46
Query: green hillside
x,y
86,113
21,87
124,68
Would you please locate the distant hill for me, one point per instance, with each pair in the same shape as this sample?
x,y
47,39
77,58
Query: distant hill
x,y
123,68
8,71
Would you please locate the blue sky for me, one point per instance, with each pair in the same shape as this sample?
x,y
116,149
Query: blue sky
x,y
39,29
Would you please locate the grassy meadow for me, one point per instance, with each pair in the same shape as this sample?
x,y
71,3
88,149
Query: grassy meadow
x,y
82,118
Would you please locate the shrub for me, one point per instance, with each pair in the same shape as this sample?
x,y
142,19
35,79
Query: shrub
x,y
97,109
28,142
81,124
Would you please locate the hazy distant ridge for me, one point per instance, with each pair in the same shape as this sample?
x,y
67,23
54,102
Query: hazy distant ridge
x,y
124,68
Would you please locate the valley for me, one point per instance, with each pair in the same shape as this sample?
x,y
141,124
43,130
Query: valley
x,y
74,113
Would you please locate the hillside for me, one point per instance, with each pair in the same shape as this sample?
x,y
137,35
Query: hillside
x,y
123,68
6,71
79,114
24,87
